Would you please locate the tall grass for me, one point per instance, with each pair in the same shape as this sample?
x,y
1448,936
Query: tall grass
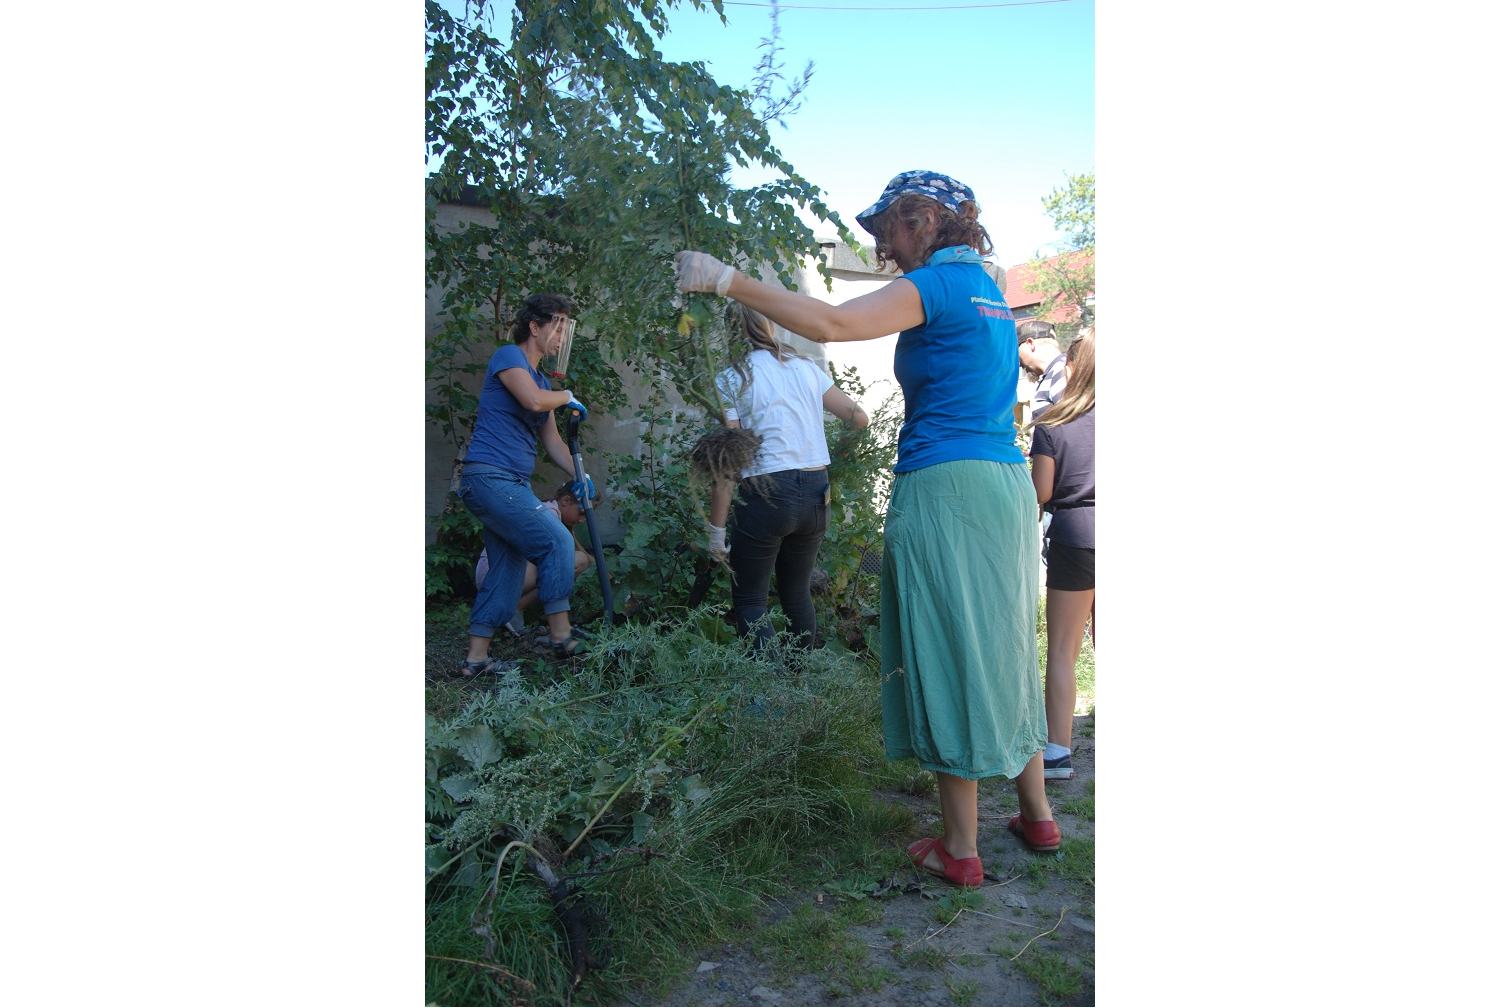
x,y
708,775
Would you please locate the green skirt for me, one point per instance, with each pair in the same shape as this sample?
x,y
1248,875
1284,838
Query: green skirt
x,y
961,677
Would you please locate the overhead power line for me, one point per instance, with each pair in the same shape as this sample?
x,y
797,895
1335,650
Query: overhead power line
x,y
1019,3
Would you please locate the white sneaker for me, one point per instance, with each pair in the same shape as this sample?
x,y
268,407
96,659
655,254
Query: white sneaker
x,y
516,624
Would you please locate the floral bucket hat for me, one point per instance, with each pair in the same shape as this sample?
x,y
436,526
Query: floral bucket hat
x,y
942,188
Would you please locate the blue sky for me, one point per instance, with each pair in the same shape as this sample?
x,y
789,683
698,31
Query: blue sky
x,y
998,97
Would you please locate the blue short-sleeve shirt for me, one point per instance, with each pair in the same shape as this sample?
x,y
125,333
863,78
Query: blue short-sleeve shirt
x,y
506,434
959,370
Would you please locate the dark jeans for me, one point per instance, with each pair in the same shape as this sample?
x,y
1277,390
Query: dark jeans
x,y
777,528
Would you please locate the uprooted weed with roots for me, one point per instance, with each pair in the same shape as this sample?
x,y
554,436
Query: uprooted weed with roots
x,y
722,455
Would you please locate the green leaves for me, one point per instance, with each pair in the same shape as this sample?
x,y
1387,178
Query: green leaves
x,y
593,160
459,786
692,788
1067,280
477,745
643,824
1071,210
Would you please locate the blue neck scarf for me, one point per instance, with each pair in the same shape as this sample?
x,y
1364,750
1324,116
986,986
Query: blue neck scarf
x,y
957,253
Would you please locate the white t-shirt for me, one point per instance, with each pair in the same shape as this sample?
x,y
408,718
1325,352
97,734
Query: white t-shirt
x,y
782,402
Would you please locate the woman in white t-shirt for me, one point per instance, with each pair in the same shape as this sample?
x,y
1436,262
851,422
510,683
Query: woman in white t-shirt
x,y
784,504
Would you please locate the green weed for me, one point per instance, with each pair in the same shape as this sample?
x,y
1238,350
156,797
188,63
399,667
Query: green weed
x,y
860,913
964,992
1054,973
865,976
921,784
1076,859
953,903
924,954
1081,806
1033,872
808,941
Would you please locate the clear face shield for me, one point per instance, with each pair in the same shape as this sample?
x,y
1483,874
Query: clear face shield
x,y
557,364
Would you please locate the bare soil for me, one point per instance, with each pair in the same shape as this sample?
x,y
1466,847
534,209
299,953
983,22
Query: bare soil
x,y
1029,942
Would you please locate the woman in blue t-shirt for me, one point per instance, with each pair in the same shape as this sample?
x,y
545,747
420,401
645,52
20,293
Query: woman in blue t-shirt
x,y
496,484
961,685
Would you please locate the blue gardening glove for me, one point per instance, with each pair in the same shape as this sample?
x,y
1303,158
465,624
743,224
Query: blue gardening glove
x,y
575,404
583,493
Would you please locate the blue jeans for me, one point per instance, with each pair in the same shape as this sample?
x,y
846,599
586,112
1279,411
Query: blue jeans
x,y
517,529
777,532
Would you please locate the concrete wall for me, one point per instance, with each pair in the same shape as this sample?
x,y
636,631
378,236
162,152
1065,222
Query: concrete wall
x,y
439,452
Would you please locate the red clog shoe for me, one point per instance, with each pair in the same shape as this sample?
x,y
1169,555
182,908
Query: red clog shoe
x,y
966,871
1042,835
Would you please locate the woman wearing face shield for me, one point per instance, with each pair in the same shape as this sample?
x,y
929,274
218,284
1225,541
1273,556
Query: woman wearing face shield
x,y
513,417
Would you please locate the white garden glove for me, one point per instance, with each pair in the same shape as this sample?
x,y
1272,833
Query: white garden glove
x,y
716,541
697,271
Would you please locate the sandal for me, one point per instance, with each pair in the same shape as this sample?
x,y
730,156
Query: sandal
x,y
546,638
487,666
565,648
966,871
1042,835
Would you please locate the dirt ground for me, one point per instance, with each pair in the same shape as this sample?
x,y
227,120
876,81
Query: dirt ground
x,y
1028,942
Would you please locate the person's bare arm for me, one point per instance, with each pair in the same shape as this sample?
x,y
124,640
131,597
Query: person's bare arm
x,y
892,308
841,405
1043,475
529,395
554,446
721,503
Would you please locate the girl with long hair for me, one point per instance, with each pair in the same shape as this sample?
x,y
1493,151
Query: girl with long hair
x,y
782,512
1062,469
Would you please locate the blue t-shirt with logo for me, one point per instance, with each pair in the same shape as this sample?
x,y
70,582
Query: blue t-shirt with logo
x,y
506,434
959,370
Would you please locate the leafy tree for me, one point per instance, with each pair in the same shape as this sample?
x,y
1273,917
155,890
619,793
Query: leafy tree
x,y
1071,210
1066,279
597,159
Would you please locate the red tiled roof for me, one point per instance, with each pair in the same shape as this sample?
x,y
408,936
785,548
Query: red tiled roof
x,y
1017,296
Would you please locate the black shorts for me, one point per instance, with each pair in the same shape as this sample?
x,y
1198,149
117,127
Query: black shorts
x,y
1068,568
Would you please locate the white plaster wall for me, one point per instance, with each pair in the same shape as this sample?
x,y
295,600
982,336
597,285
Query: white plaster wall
x,y
873,359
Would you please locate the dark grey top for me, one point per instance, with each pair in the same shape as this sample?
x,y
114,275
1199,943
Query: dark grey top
x,y
1072,498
